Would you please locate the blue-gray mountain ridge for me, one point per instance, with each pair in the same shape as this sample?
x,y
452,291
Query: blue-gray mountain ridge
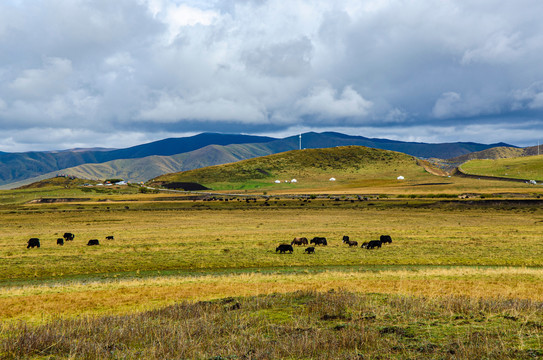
x,y
143,162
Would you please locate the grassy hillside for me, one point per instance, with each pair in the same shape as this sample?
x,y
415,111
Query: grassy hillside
x,y
528,167
16,167
56,182
311,167
19,166
500,152
143,169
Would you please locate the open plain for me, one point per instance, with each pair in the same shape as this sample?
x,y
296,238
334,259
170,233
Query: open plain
x,y
462,277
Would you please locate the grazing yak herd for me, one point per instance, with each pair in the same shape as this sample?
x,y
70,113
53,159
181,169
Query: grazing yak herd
x,y
35,242
372,244
282,248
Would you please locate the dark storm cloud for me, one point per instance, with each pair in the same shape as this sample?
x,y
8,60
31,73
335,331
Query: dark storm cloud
x,y
116,73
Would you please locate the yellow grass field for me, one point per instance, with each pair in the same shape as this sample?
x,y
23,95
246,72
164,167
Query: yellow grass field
x,y
196,276
38,303
193,250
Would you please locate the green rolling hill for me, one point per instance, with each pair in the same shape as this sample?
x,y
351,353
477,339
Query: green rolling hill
x,y
349,165
526,167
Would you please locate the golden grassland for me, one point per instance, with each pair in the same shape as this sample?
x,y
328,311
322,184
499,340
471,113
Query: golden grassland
x,y
195,235
39,303
188,278
192,250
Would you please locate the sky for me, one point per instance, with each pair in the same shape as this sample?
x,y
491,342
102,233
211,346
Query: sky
x,y
102,73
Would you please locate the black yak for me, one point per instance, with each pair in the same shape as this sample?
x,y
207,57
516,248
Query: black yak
x,y
319,241
33,242
284,248
68,236
310,250
386,239
373,244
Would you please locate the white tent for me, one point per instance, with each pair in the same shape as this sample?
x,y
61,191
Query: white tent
x,y
400,178
332,179
293,181
278,181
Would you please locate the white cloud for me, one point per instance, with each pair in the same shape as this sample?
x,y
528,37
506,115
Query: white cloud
x,y
454,105
324,102
158,65
499,48
291,58
183,15
120,60
537,102
61,138
396,116
178,16
447,105
529,98
174,109
51,79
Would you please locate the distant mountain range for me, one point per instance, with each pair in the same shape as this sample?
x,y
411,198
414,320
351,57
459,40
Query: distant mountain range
x,y
146,161
15,167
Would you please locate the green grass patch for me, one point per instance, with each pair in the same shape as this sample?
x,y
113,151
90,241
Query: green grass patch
x,y
528,167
